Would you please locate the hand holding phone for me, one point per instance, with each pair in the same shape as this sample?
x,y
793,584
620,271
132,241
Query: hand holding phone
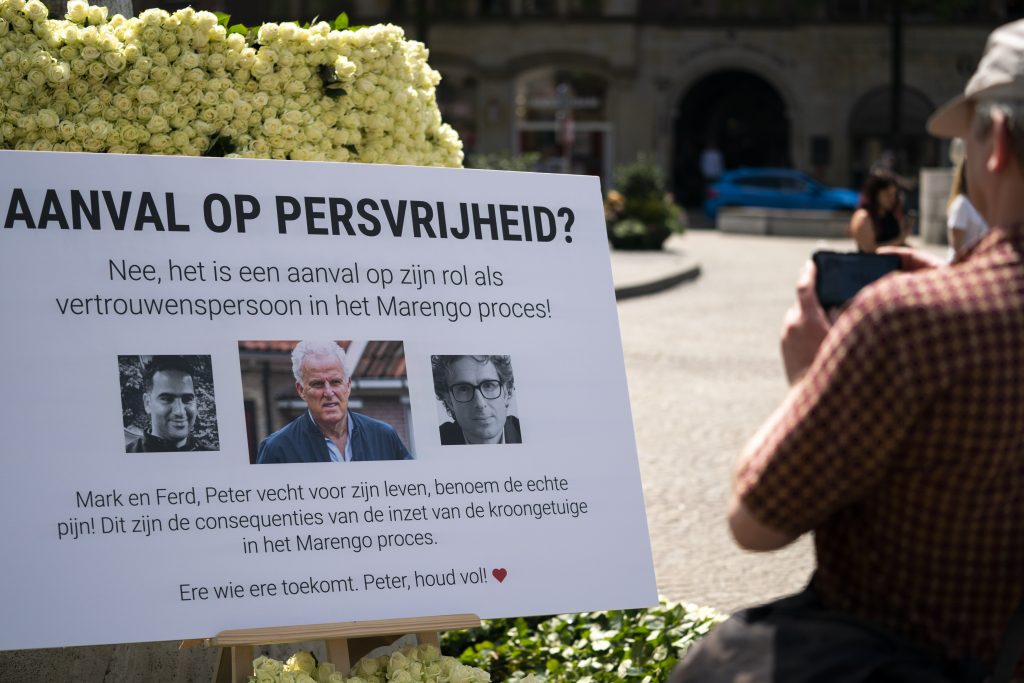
x,y
842,275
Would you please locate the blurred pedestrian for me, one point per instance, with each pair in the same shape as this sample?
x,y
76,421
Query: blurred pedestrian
x,y
880,219
965,225
712,165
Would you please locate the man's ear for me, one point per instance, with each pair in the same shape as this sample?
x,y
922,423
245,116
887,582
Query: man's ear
x,y
145,402
298,390
1002,144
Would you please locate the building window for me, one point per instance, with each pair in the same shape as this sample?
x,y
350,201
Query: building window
x,y
456,99
540,8
560,116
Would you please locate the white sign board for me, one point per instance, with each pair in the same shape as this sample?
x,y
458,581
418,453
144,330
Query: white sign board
x,y
110,262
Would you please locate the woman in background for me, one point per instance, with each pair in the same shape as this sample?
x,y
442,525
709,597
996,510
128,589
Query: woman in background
x,y
879,220
965,225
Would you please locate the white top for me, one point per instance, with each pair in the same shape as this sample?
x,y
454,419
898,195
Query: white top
x,y
963,216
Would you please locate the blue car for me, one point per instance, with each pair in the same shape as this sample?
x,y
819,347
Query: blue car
x,y
778,188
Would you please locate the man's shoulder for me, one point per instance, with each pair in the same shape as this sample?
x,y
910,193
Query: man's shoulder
x,y
201,444
513,434
374,439
290,431
371,423
938,293
136,446
277,446
451,434
293,426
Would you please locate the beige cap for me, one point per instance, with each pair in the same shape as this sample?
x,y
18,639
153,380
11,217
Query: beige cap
x,y
1000,75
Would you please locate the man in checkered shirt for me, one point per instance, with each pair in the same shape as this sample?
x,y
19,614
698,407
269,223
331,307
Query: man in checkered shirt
x,y
901,443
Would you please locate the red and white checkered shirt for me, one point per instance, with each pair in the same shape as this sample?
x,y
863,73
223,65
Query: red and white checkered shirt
x,y
903,450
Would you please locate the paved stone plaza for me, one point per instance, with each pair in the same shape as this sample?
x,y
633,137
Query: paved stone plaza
x,y
704,371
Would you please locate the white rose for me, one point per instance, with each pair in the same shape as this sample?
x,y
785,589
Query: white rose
x,y
148,94
135,77
123,103
159,142
204,21
36,11
97,14
180,138
77,11
66,130
114,61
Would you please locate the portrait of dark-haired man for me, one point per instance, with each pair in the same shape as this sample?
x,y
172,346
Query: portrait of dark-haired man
x,y
168,387
477,393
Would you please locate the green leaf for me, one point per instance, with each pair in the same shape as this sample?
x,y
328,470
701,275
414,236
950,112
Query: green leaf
x,y
222,18
341,22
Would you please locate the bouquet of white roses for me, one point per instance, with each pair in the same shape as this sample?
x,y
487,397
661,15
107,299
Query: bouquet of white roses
x,y
179,83
414,664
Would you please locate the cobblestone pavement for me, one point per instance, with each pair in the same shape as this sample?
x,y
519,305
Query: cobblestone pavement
x,y
704,371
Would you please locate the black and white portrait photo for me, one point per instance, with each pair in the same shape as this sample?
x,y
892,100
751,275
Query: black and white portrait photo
x,y
476,400
168,404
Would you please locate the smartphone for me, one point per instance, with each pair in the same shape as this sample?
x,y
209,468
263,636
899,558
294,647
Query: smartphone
x,y
841,275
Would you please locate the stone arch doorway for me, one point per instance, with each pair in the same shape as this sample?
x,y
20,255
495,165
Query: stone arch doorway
x,y
738,111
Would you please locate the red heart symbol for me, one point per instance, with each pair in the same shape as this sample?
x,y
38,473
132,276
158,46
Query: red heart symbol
x,y
499,574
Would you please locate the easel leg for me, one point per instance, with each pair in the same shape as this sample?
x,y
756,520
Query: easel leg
x,y
241,663
222,674
429,638
337,654
360,647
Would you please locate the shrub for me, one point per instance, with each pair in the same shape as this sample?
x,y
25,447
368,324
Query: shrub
x,y
594,647
640,214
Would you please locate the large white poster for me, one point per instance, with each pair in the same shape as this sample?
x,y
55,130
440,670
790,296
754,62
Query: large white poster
x,y
166,476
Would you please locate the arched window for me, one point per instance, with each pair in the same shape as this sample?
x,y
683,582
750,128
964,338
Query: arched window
x,y
737,112
561,115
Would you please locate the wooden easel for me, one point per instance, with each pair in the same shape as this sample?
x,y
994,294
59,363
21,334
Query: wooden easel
x,y
346,641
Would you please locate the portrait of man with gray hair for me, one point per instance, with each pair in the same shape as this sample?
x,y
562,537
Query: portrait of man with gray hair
x,y
327,431
477,392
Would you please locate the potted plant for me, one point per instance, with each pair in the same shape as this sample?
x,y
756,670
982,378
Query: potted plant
x,y
640,214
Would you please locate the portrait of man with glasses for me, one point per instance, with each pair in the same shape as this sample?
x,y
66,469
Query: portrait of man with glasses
x,y
477,392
